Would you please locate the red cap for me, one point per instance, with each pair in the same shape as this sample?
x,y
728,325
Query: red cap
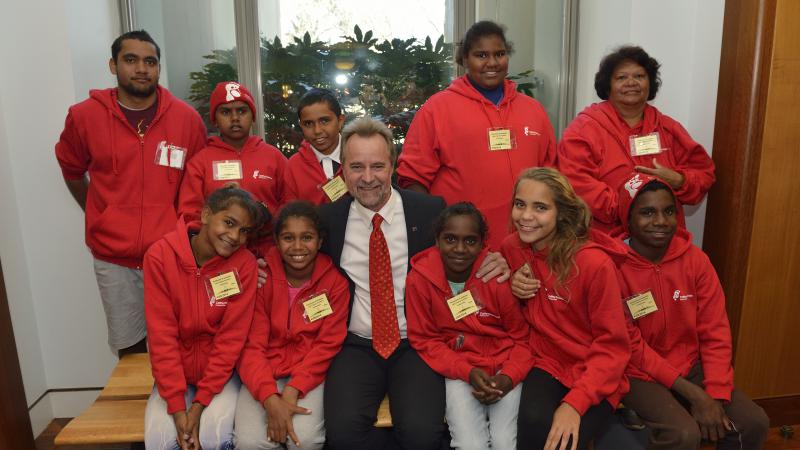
x,y
230,91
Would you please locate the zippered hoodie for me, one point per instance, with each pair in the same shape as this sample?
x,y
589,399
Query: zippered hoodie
x,y
691,323
578,332
282,342
131,199
594,153
494,339
262,169
305,177
191,339
447,151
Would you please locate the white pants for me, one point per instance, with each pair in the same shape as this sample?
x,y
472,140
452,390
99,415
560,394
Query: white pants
x,y
251,421
474,425
216,423
122,292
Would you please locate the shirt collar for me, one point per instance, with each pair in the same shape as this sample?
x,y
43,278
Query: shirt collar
x,y
334,154
387,212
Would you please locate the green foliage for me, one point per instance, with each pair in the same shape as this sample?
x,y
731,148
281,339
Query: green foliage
x,y
388,80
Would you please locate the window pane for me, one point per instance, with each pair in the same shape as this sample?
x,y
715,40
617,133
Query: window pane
x,y
198,42
384,65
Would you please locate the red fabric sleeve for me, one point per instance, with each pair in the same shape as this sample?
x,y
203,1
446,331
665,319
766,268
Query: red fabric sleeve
x,y
72,155
713,331
230,337
644,358
519,360
610,350
419,162
694,164
290,189
162,332
579,162
191,197
254,367
424,336
311,371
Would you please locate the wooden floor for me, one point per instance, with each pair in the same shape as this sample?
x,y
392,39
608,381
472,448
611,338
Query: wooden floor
x,y
45,440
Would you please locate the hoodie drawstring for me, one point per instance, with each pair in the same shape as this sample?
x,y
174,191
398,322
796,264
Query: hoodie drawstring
x,y
111,141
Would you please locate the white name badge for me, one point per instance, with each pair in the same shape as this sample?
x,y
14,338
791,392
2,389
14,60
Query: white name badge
x,y
335,188
169,155
642,305
462,305
500,138
227,170
649,144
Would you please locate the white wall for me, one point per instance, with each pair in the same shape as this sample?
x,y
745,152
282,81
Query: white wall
x,y
685,36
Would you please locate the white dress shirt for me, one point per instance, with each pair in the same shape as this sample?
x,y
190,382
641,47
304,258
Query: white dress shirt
x,y
355,260
327,160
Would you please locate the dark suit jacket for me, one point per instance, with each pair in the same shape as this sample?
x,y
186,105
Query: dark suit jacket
x,y
420,211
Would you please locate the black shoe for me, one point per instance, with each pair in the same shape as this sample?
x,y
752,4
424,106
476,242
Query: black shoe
x,y
630,419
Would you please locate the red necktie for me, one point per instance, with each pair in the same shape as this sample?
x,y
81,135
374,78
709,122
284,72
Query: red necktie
x,y
385,331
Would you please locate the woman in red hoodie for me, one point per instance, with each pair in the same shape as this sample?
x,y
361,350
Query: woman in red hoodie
x,y
472,333
680,336
470,141
578,338
235,157
299,325
199,291
623,133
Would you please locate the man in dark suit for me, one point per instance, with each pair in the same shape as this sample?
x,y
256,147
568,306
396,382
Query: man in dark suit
x,y
372,235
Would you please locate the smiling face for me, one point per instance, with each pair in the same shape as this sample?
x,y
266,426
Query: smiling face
x,y
321,127
226,230
367,170
487,62
459,244
534,213
137,68
630,85
652,223
298,243
234,121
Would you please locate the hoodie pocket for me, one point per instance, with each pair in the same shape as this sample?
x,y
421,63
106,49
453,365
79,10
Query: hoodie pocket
x,y
115,231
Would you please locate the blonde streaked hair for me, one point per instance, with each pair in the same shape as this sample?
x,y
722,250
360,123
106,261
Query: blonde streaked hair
x,y
367,127
572,220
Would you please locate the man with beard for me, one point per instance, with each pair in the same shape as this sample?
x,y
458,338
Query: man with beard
x,y
122,154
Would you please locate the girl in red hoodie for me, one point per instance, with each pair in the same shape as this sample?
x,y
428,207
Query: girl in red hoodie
x,y
680,336
299,325
578,337
313,172
199,291
234,157
471,332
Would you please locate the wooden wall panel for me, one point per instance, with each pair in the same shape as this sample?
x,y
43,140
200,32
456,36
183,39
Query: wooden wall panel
x,y
768,352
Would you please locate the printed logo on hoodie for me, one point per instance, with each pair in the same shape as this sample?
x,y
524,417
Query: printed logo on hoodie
x,y
633,185
677,296
529,132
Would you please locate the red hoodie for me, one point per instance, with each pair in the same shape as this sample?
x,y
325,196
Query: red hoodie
x,y
191,340
282,342
304,177
594,153
494,339
691,323
262,168
578,331
447,149
131,199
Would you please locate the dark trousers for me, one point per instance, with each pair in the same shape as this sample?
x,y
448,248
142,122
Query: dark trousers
x,y
356,383
673,427
541,395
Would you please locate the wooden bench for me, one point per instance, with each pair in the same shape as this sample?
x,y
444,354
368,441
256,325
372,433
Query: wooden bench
x,y
117,416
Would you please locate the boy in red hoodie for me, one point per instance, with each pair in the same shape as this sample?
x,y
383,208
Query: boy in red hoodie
x,y
132,141
233,157
680,368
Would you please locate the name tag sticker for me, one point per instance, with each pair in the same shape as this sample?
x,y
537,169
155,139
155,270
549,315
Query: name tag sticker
x,y
317,308
169,155
227,170
335,188
501,139
462,305
642,305
222,286
649,144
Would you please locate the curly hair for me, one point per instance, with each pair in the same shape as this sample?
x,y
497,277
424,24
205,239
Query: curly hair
x,y
572,220
476,31
602,79
460,209
300,209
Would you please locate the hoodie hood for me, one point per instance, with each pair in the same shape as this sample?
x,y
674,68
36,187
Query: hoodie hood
x,y
179,242
108,98
428,263
463,87
252,144
609,118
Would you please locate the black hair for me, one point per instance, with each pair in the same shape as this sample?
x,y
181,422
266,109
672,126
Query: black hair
x,y
602,79
301,209
474,33
223,198
460,209
319,95
139,35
